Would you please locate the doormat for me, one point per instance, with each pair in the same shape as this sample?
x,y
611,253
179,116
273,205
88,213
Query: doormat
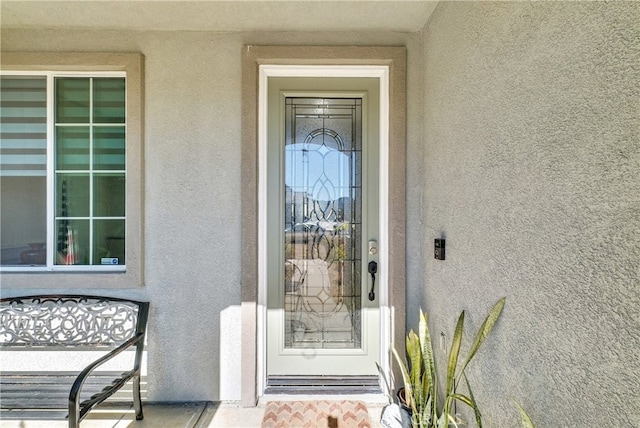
x,y
316,414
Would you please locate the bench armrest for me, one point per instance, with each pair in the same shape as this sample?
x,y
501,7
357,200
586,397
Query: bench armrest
x,y
74,395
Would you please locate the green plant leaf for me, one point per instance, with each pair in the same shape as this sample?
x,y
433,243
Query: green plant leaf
x,y
429,362
427,416
464,399
424,388
526,420
454,352
476,410
484,330
414,353
452,420
405,375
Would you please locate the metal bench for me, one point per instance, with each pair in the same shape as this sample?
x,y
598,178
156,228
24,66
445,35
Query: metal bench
x,y
72,322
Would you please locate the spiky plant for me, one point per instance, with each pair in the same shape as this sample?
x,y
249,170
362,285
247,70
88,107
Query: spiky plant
x,y
420,376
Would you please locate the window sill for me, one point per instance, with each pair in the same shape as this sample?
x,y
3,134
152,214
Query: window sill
x,y
42,269
72,277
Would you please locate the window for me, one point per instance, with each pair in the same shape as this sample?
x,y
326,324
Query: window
x,y
71,167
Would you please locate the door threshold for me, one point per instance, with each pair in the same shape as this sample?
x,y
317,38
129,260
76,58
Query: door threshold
x,y
323,385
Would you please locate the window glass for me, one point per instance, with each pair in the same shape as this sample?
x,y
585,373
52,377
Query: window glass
x,y
88,175
108,200
83,192
73,242
23,169
109,242
72,148
108,148
108,100
72,100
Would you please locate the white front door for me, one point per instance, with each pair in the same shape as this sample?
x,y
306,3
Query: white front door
x,y
323,313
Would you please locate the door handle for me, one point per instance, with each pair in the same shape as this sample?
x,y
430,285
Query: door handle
x,y
373,269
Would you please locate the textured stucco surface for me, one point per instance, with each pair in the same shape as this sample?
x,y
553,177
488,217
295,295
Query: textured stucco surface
x,y
523,151
193,190
531,172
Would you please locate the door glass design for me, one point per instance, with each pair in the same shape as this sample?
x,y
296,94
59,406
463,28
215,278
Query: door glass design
x,y
322,222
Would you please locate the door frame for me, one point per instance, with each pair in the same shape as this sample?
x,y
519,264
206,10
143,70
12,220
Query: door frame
x,y
388,64
381,74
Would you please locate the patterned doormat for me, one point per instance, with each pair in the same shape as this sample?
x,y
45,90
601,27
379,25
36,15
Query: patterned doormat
x,y
316,414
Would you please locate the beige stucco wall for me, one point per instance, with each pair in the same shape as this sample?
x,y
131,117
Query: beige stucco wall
x,y
193,191
531,172
523,151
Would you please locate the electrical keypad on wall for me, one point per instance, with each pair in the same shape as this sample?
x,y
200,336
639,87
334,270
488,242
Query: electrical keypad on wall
x,y
438,249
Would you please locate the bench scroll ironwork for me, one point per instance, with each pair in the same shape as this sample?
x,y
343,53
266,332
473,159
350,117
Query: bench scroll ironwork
x,y
70,321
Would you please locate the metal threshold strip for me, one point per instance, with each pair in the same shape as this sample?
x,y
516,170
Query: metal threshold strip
x,y
323,385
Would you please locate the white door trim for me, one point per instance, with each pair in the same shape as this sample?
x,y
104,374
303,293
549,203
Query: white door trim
x,y
375,71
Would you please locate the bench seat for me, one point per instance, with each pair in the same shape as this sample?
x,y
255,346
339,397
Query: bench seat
x,y
45,395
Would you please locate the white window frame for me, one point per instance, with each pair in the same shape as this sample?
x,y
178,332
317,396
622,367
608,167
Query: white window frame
x,y
50,66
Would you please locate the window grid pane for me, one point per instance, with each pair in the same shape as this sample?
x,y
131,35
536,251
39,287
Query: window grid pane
x,y
90,171
72,100
108,100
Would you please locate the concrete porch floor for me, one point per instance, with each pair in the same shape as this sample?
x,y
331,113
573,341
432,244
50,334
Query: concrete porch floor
x,y
179,415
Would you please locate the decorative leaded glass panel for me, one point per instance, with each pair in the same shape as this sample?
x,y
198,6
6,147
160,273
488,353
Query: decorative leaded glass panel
x,y
323,219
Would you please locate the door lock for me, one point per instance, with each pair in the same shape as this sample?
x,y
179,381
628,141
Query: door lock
x,y
373,247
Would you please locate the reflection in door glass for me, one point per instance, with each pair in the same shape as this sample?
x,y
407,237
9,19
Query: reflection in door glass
x,y
323,204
